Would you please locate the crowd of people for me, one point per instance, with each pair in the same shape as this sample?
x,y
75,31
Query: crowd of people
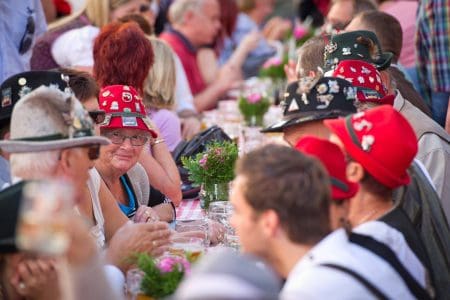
x,y
98,94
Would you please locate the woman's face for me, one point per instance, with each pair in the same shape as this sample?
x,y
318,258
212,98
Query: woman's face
x,y
125,148
142,7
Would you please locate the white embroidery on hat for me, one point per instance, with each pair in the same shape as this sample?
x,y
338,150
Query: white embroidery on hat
x,y
305,99
331,47
293,106
353,69
24,91
361,125
367,142
325,100
355,45
126,88
334,86
371,79
22,81
6,100
138,107
114,105
127,97
360,55
106,93
364,70
361,79
358,115
346,51
350,92
104,103
341,70
322,88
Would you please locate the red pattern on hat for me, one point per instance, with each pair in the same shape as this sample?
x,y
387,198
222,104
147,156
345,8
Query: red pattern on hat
x,y
364,76
124,109
381,140
334,161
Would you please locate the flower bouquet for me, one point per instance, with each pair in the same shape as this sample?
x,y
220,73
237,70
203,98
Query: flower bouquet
x,y
253,108
301,33
212,169
273,68
161,275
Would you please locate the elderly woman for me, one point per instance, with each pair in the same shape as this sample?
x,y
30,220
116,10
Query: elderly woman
x,y
129,131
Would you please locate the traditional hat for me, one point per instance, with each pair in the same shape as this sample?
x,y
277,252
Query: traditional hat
x,y
381,140
356,45
312,99
124,109
49,119
333,159
17,86
10,201
366,78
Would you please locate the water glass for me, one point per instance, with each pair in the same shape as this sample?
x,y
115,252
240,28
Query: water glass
x,y
133,282
198,228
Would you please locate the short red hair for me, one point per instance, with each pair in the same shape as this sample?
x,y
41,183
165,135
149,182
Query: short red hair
x,y
122,55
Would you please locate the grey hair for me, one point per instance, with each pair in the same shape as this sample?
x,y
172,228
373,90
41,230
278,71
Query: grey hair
x,y
34,165
178,9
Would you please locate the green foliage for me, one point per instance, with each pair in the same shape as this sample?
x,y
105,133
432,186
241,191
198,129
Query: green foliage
x,y
274,68
249,108
215,165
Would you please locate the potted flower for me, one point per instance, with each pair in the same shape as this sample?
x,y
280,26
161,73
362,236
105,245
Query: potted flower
x,y
161,276
253,108
273,68
212,169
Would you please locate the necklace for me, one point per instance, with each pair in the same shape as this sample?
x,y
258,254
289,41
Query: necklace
x,y
367,216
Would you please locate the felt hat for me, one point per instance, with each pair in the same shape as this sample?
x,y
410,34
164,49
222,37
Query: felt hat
x,y
124,109
312,99
333,160
366,78
381,140
17,86
356,45
10,201
49,119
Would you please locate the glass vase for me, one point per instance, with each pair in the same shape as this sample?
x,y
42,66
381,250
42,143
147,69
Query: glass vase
x,y
213,192
254,120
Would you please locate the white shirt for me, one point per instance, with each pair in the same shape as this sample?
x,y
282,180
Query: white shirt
x,y
309,280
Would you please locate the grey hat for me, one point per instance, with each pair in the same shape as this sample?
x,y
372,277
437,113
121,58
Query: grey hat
x,y
226,274
49,119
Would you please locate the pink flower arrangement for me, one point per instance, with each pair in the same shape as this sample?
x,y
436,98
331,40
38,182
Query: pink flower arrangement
x,y
254,98
170,263
272,62
300,31
202,162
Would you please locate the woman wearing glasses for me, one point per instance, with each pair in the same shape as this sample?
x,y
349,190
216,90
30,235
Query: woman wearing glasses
x,y
129,131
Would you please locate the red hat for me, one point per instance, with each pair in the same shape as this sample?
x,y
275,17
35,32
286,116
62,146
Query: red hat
x,y
381,140
333,159
366,78
124,109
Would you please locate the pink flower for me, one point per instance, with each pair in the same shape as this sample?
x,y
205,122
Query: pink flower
x,y
170,263
300,31
273,61
203,160
218,151
254,98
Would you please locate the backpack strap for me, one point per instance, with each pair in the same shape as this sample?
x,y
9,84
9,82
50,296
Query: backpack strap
x,y
389,256
369,286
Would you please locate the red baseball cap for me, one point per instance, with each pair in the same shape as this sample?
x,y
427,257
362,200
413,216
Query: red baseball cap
x,y
366,78
333,159
124,109
381,140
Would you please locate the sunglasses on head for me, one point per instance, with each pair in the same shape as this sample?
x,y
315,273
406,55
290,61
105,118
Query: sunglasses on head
x,y
98,116
27,38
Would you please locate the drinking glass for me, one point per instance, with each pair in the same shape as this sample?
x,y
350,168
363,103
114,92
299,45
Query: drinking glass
x,y
195,228
187,246
43,217
133,282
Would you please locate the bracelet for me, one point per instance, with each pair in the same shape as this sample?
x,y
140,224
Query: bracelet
x,y
156,141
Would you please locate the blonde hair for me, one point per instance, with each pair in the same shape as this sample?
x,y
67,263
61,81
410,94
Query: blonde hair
x,y
159,86
179,7
98,11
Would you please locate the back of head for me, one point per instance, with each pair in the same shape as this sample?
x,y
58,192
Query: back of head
x,y
386,27
225,274
310,56
140,20
179,7
161,79
82,84
295,186
122,55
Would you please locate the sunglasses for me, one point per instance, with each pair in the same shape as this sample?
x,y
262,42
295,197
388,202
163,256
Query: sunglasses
x,y
27,38
94,152
98,116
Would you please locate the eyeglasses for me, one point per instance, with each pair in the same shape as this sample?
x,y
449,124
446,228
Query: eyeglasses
x,y
94,152
98,116
118,138
27,38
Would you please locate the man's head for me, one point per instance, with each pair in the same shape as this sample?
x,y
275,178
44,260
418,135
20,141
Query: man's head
x,y
311,100
198,20
342,12
279,196
380,144
310,56
386,27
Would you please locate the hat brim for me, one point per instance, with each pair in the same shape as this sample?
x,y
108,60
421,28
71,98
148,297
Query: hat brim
x,y
117,123
384,61
339,194
375,168
309,117
16,146
389,99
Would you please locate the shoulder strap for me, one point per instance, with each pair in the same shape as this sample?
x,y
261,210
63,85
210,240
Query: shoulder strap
x,y
389,256
374,290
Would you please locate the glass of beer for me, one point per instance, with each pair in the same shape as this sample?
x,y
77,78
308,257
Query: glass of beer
x,y
186,246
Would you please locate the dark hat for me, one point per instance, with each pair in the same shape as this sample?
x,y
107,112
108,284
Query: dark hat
x,y
356,45
312,99
10,200
19,85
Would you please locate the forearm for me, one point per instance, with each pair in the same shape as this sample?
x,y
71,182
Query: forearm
x,y
162,171
209,97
